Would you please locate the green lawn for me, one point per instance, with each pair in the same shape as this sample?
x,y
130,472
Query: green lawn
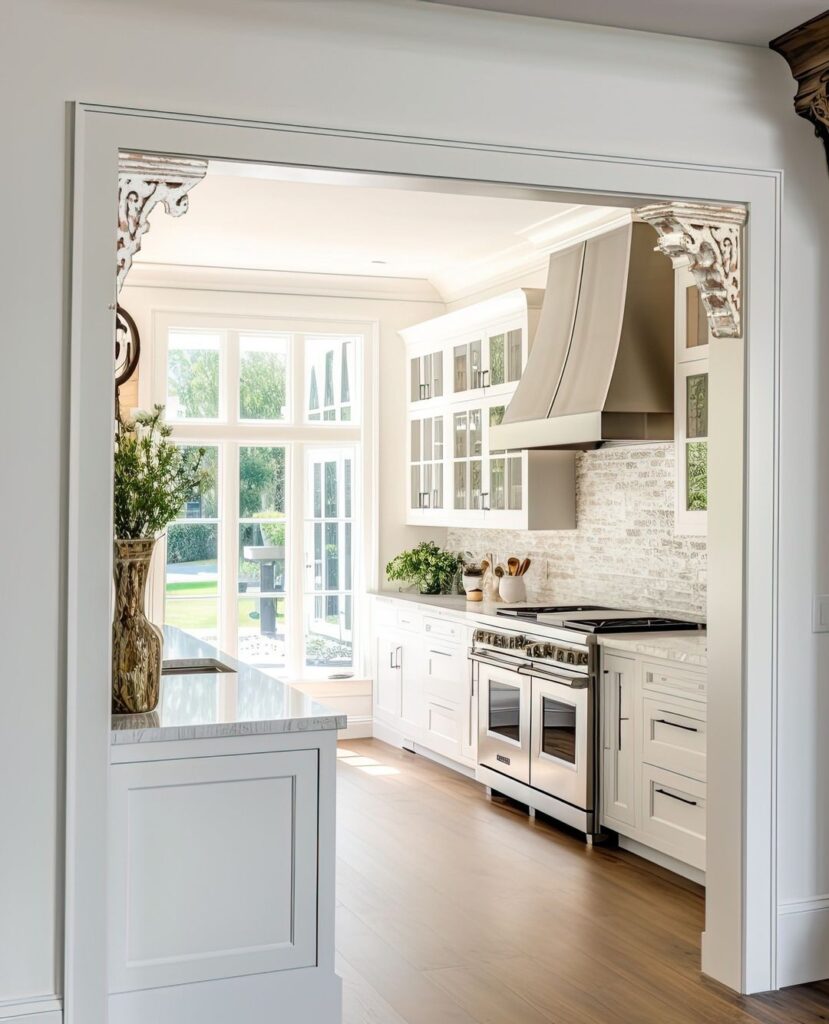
x,y
189,611
200,587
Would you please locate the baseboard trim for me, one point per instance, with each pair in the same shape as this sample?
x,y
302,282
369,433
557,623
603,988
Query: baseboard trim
x,y
40,1010
664,860
447,762
803,941
387,734
360,727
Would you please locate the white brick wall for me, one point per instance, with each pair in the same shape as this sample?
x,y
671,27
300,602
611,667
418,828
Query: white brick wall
x,y
624,551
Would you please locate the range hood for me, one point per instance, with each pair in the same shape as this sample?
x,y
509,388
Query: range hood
x,y
601,363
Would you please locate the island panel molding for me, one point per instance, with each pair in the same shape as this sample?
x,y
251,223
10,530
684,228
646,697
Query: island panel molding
x,y
144,181
707,239
806,50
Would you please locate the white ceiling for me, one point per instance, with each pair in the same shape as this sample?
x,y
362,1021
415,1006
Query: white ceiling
x,y
252,218
732,21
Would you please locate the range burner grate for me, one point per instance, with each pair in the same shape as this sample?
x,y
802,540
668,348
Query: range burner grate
x,y
643,624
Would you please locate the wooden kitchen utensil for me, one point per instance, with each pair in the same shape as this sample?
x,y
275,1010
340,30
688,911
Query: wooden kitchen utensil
x,y
513,565
522,568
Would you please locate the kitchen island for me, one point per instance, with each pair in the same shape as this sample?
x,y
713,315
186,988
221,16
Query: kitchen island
x,y
221,849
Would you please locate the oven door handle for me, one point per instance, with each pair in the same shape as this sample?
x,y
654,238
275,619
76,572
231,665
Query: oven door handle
x,y
563,679
491,659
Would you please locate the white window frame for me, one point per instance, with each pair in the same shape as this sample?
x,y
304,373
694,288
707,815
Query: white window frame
x,y
299,436
687,363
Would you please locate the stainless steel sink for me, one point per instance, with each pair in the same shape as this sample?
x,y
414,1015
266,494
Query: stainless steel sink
x,y
193,666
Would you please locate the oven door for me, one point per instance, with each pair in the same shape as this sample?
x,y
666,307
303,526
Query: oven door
x,y
561,746
503,719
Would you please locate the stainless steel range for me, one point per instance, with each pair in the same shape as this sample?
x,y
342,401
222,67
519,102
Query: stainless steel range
x,y
536,680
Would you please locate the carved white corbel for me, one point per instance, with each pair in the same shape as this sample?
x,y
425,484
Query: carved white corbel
x,y
144,181
707,239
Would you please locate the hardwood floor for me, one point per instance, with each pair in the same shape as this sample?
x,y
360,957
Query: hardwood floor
x,y
455,909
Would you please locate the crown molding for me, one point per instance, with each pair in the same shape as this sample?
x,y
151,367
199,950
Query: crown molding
x,y
285,282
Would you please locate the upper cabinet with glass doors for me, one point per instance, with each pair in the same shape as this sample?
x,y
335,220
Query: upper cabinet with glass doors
x,y
463,370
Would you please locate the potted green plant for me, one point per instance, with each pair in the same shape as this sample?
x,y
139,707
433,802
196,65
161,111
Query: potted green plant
x,y
429,567
153,477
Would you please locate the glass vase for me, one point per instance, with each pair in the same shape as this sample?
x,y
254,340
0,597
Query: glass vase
x,y
136,642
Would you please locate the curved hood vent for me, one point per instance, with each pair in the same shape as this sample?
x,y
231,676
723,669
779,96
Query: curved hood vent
x,y
601,364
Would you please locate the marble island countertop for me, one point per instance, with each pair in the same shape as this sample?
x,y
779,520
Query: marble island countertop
x,y
242,702
690,648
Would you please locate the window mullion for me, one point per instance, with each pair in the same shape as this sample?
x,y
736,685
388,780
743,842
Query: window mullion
x,y
296,564
229,561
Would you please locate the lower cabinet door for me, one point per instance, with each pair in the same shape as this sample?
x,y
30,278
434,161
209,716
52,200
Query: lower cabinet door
x,y
443,729
673,814
619,756
212,868
388,692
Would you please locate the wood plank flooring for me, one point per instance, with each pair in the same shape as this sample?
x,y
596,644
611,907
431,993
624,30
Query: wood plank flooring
x,y
456,909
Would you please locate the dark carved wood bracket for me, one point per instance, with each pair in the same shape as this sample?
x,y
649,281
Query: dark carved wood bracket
x,y
806,50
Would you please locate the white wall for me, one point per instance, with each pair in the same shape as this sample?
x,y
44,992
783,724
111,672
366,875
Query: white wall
x,y
395,67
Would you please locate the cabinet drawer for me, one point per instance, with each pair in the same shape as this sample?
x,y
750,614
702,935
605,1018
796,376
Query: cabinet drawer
x,y
446,629
673,815
674,736
668,680
409,618
385,612
447,668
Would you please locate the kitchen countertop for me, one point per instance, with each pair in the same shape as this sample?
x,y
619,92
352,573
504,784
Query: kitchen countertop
x,y
690,648
686,647
244,702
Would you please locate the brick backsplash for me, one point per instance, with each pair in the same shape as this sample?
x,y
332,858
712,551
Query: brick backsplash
x,y
624,551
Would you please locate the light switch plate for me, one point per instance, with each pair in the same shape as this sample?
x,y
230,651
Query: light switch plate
x,y
820,614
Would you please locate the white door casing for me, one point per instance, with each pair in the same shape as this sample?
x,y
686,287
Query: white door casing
x,y
740,938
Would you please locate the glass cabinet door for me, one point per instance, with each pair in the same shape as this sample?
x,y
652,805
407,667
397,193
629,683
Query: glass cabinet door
x,y
426,377
514,355
460,368
505,358
414,379
426,462
461,444
436,375
696,442
515,486
475,363
467,362
460,500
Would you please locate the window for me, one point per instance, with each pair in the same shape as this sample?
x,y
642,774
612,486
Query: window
x,y
691,406
266,561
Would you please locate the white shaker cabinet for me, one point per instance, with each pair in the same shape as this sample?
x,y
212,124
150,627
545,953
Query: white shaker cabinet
x,y
653,781
619,758
423,687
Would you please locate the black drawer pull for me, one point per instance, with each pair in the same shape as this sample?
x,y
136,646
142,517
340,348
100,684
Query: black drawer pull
x,y
673,796
675,725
